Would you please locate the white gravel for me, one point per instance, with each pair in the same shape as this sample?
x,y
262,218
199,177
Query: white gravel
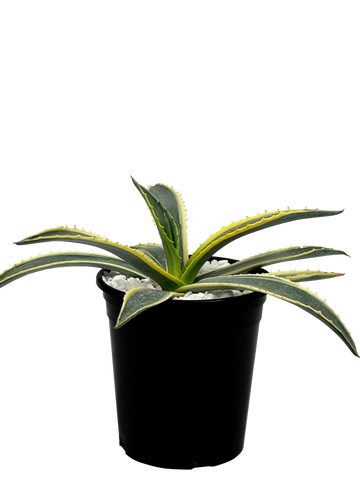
x,y
124,284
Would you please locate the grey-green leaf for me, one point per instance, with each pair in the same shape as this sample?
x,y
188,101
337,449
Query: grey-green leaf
x,y
270,258
173,202
139,299
67,259
244,227
166,227
283,289
140,261
154,252
305,275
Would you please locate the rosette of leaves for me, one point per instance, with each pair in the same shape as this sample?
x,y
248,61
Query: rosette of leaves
x,y
172,264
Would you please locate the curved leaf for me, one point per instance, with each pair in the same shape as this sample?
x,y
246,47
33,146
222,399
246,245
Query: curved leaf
x,y
137,259
67,259
239,229
154,251
139,299
167,229
305,275
270,258
173,202
280,288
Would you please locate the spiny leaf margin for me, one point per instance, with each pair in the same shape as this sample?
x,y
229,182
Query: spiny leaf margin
x,y
270,258
67,259
283,289
138,300
166,227
140,261
241,228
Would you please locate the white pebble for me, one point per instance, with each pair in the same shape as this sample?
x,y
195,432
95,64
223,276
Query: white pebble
x,y
123,283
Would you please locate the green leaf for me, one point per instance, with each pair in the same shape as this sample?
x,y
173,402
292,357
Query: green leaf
x,y
137,259
305,275
173,202
283,289
67,259
270,258
154,252
167,229
139,299
239,229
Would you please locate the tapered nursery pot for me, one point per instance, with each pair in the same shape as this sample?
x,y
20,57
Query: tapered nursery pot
x,y
183,372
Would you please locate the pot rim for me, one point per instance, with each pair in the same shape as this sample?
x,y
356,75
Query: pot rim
x,y
242,298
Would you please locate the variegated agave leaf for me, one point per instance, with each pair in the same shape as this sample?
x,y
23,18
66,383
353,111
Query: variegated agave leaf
x,y
167,210
279,255
299,296
169,266
235,231
69,258
139,257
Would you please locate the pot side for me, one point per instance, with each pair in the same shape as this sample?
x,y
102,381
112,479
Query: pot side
x,y
183,371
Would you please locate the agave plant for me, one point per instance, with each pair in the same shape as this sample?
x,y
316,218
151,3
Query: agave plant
x,y
170,266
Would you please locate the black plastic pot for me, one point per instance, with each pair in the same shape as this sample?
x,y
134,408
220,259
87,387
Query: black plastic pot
x,y
183,373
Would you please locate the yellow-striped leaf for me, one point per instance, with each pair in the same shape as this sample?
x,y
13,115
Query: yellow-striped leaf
x,y
239,229
154,251
139,299
173,202
137,259
283,289
67,259
167,229
305,275
270,258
